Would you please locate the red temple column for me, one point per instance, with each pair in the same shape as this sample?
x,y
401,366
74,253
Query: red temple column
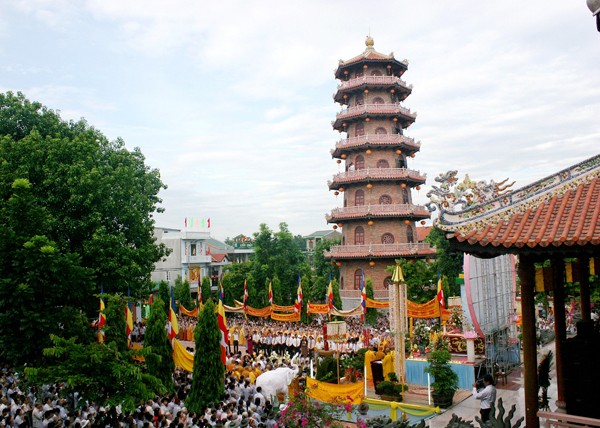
x,y
526,273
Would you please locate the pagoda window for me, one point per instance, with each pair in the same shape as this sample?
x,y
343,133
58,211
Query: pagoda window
x,y
382,163
401,162
378,100
385,200
380,130
359,73
376,73
359,162
345,202
405,198
359,198
359,129
359,236
398,130
359,100
357,278
387,238
410,235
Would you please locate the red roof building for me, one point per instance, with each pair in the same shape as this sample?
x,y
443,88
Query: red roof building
x,y
553,220
378,218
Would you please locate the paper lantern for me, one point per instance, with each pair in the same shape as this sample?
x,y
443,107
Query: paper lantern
x,y
336,193
343,155
335,226
395,119
403,185
406,221
370,222
367,119
371,263
366,91
398,152
418,187
392,91
369,185
339,161
338,264
412,155
423,222
368,151
341,189
365,66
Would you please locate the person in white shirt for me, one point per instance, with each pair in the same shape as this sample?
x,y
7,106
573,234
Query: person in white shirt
x,y
487,395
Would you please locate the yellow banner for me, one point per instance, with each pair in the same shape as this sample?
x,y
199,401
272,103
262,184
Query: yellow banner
x,y
277,308
333,393
349,313
263,312
285,317
184,311
317,308
430,309
377,304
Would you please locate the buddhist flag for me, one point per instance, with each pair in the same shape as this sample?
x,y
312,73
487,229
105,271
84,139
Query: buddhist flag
x,y
245,296
440,293
221,293
208,223
173,326
224,332
199,292
298,305
128,323
270,293
101,322
363,296
330,295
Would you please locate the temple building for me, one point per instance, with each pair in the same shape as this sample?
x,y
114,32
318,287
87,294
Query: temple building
x,y
378,219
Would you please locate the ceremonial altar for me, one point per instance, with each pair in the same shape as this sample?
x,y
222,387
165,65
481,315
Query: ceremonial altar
x,y
457,344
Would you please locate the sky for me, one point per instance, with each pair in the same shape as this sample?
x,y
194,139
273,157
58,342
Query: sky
x,y
232,100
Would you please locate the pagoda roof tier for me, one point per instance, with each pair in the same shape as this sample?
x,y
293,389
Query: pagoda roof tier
x,y
371,56
558,213
384,251
390,83
360,212
361,112
376,174
386,141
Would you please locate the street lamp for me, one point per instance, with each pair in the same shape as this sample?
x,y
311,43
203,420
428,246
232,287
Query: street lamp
x,y
594,6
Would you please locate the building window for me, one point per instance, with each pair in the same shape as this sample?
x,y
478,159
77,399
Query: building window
x,y
359,162
342,283
376,73
193,249
359,236
410,236
387,238
378,100
360,100
359,198
387,282
381,130
382,163
385,199
168,276
357,279
401,162
405,198
360,73
359,129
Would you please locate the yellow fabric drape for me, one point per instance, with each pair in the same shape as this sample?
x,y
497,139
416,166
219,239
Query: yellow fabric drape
x,y
429,309
348,313
410,409
346,393
377,304
262,312
184,311
369,358
182,357
277,308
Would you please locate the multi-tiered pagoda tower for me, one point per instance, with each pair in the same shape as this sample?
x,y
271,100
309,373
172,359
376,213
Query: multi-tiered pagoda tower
x,y
378,219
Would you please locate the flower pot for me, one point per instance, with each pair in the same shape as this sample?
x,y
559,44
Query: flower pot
x,y
397,398
442,400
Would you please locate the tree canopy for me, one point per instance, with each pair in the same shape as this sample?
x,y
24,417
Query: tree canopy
x,y
75,215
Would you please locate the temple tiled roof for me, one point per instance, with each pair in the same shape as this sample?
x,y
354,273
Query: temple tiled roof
x,y
563,209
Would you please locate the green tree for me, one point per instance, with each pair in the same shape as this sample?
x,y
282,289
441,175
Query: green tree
x,y
233,281
448,262
164,292
277,291
324,267
98,372
209,371
90,203
318,292
160,359
420,277
183,294
115,329
337,300
371,317
206,292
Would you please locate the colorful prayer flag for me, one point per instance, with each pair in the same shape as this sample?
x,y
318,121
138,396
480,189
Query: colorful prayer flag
x,y
298,305
173,326
224,332
270,293
363,296
440,293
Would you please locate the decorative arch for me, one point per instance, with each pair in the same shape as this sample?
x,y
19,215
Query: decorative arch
x,y
387,238
359,162
382,163
359,129
376,72
378,100
359,100
359,198
359,236
381,130
405,196
385,200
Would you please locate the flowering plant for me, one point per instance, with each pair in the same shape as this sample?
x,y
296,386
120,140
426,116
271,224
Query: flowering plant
x,y
421,333
455,321
303,412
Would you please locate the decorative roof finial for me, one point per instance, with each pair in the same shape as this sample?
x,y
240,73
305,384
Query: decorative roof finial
x,y
369,42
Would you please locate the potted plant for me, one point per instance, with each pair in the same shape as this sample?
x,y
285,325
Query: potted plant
x,y
392,389
445,382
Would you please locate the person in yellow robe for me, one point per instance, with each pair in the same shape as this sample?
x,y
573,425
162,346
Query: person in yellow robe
x,y
369,357
388,364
